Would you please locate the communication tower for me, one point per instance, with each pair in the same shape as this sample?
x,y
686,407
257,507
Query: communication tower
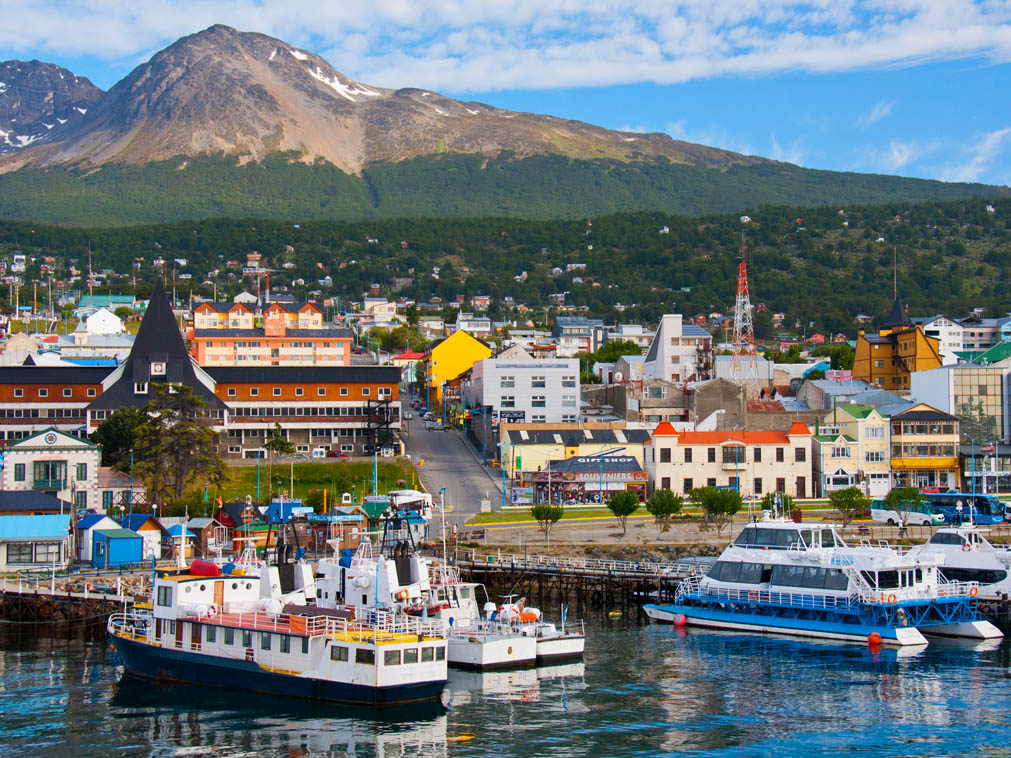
x,y
744,363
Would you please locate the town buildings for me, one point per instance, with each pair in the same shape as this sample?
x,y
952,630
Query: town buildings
x,y
529,447
54,463
924,444
753,462
679,352
516,387
868,464
31,542
888,358
447,358
577,334
977,394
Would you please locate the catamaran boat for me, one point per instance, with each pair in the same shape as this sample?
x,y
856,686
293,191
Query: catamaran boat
x,y
786,578
243,632
395,577
967,556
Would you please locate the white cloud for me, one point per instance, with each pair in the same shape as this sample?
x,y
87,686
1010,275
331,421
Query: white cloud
x,y
980,155
790,154
898,154
882,109
459,46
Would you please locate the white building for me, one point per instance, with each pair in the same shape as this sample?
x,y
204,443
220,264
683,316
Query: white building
x,y
679,352
103,321
967,389
479,326
577,334
522,389
631,333
948,332
55,463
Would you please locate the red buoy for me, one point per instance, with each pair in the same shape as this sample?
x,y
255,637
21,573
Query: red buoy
x,y
204,568
680,619
874,639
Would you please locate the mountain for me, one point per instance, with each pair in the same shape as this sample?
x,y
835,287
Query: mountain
x,y
227,123
222,91
39,100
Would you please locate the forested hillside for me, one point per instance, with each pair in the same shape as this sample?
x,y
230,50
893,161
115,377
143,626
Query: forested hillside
x,y
444,186
821,265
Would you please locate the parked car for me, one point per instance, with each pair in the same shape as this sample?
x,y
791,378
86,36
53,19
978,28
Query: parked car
x,y
335,454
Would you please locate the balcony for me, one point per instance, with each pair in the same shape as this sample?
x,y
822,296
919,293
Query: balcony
x,y
49,484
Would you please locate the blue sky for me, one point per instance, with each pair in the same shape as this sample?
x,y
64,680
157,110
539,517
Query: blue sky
x,y
911,87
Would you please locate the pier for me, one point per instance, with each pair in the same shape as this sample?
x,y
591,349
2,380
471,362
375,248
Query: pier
x,y
38,600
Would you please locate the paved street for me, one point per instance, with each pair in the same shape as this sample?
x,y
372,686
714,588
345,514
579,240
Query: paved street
x,y
450,463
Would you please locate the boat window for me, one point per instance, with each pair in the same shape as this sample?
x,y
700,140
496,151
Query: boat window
x,y
229,636
264,640
411,655
338,653
746,537
814,578
837,580
209,631
983,576
427,654
827,538
247,639
751,573
765,537
391,658
766,573
440,653
808,537
305,645
465,593
919,575
365,656
888,580
787,537
285,643
787,576
730,572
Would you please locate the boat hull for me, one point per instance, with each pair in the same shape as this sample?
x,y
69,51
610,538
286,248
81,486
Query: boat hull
x,y
720,619
977,630
175,666
565,647
483,654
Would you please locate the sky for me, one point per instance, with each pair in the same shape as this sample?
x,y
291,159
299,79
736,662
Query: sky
x,y
911,87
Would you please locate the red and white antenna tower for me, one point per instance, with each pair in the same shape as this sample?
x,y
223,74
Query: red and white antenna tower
x,y
743,364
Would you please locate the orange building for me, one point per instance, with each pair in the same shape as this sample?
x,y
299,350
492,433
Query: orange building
x,y
887,358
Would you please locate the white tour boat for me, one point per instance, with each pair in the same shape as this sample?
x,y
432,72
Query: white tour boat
x,y
967,556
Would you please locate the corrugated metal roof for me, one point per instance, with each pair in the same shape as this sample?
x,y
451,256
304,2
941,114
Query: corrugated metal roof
x,y
32,500
49,526
119,534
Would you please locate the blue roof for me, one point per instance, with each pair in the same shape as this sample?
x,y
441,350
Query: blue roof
x,y
89,520
134,521
176,530
49,526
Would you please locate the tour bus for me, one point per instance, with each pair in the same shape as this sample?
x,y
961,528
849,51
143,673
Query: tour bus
x,y
985,509
910,513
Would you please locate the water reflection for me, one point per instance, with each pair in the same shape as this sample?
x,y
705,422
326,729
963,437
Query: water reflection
x,y
642,691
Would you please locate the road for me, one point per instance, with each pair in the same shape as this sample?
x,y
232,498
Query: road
x,y
450,463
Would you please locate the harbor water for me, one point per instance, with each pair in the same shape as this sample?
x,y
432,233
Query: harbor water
x,y
642,691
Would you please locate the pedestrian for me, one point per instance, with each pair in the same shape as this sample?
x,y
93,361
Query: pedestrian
x,y
902,528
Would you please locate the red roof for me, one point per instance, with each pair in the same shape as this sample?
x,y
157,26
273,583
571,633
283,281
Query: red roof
x,y
664,429
409,356
799,427
748,438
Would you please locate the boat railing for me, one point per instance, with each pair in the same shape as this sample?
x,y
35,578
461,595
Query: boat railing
x,y
773,597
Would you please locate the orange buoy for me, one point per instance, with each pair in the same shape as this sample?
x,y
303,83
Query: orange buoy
x,y
874,639
680,619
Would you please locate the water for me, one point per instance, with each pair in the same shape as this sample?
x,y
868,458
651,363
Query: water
x,y
643,691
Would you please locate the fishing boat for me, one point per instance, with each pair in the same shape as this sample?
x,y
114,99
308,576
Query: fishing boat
x,y
555,644
395,577
259,632
786,578
966,555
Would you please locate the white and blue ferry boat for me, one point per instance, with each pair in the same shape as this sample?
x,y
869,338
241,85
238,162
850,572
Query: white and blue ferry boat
x,y
783,577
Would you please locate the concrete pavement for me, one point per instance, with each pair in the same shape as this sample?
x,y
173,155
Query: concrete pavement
x,y
449,463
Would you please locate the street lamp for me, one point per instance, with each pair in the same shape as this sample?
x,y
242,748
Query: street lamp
x,y
972,452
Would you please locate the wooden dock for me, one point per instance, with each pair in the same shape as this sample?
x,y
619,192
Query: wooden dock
x,y
37,602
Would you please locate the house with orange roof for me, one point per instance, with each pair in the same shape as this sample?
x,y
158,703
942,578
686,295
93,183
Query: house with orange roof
x,y
754,462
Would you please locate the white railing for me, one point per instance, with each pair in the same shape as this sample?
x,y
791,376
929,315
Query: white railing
x,y
590,565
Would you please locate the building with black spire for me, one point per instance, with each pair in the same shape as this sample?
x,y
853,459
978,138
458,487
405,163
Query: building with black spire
x,y
888,357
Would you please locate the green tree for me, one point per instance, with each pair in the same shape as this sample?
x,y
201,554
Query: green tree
x,y
719,506
662,505
123,312
623,504
546,516
849,503
117,435
175,445
277,445
902,498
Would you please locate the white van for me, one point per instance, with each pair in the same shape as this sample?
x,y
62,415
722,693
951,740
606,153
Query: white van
x,y
319,452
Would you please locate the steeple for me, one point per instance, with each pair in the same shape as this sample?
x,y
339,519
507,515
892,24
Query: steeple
x,y
898,317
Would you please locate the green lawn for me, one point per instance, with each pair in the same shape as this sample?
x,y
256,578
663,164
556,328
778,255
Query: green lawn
x,y
337,477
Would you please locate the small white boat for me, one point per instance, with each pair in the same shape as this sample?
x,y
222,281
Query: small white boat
x,y
965,555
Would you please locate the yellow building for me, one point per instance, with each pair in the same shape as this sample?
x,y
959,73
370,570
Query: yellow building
x,y
924,448
449,357
887,358
867,427
529,447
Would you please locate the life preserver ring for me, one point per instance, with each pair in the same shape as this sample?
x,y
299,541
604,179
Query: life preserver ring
x,y
891,599
753,595
966,547
402,594
974,591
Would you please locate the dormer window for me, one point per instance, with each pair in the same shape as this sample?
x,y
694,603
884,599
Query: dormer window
x,y
140,388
